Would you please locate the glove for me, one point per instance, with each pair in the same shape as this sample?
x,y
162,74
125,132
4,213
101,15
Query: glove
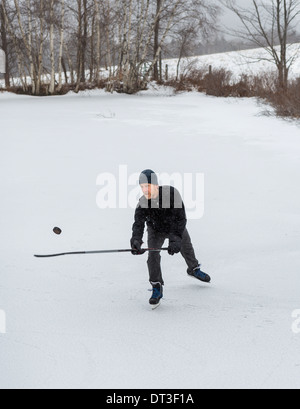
x,y
136,246
175,244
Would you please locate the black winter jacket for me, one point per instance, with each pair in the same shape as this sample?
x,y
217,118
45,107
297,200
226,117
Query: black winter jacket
x,y
165,215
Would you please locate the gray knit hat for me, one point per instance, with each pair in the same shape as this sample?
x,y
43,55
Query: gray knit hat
x,y
148,176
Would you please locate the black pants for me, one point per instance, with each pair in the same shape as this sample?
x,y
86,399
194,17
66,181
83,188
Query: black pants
x,y
156,240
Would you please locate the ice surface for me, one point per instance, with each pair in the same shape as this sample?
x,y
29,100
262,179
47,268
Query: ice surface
x,y
85,322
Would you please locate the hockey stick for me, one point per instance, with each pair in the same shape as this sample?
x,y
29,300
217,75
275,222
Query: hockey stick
x,y
97,252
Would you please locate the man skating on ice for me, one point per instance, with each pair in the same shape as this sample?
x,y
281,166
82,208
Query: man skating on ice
x,y
162,209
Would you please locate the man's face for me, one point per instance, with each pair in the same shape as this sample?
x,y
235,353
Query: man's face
x,y
150,191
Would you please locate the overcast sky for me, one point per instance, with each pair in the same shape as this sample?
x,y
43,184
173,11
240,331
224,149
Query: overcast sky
x,y
229,18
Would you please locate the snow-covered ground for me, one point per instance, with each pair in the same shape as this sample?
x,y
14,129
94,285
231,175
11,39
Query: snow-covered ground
x,y
84,321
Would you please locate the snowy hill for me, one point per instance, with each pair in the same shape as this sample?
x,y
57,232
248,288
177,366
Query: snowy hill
x,y
249,62
84,321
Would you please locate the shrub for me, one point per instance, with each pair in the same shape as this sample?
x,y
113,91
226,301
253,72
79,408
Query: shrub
x,y
287,104
221,83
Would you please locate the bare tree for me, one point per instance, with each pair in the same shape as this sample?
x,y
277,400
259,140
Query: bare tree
x,y
40,45
197,22
269,25
156,41
61,46
127,37
137,61
52,56
98,41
